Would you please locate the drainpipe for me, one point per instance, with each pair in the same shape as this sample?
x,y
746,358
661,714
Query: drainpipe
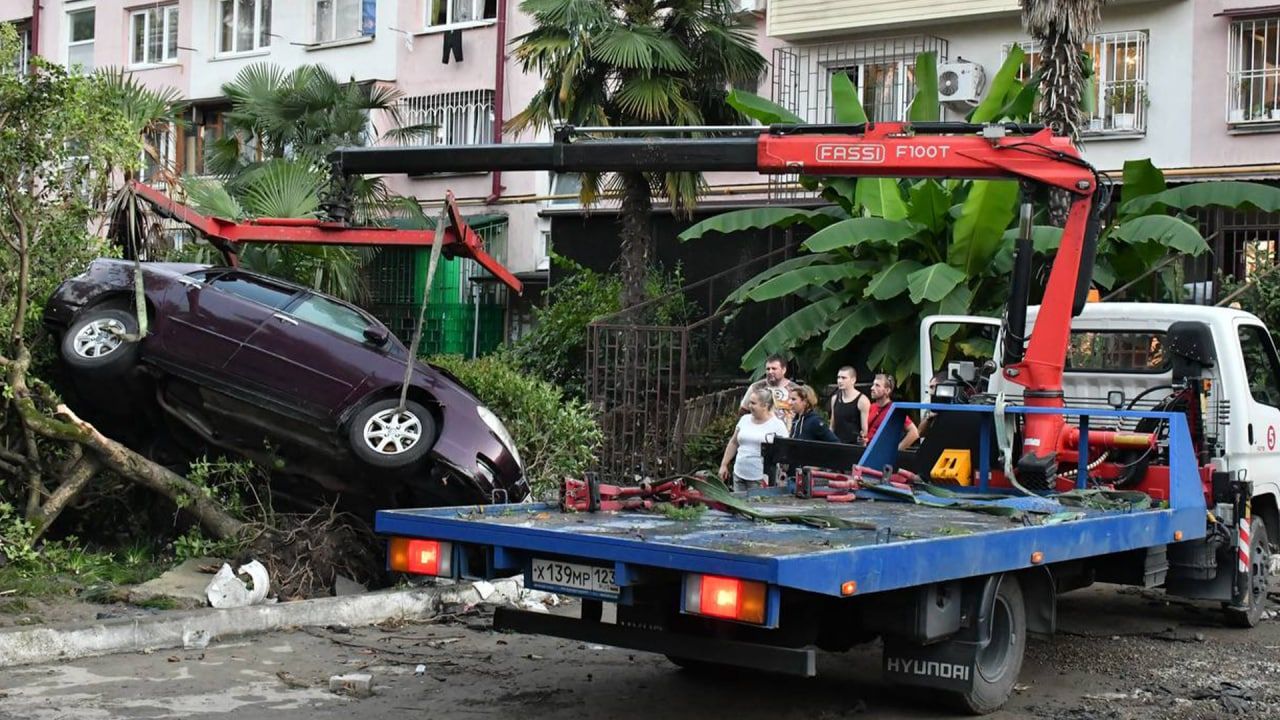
x,y
499,89
35,28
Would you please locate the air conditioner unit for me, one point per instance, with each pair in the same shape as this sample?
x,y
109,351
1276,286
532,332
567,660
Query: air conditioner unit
x,y
960,81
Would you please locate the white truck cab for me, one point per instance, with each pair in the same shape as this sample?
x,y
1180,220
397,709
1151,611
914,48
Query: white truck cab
x,y
1122,355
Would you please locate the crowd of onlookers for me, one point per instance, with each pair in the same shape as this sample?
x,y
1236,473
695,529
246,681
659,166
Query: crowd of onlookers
x,y
776,406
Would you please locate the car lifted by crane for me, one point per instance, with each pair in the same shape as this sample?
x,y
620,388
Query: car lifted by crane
x,y
958,560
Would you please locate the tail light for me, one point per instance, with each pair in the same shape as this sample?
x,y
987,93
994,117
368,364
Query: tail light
x,y
421,557
724,597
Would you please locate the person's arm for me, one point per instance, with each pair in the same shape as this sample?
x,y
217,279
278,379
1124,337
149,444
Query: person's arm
x,y
824,433
745,398
910,436
864,407
729,451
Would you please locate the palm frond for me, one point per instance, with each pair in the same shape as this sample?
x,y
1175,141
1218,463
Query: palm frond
x,y
283,189
211,198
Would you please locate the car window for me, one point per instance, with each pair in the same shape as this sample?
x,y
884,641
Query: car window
x,y
331,316
254,289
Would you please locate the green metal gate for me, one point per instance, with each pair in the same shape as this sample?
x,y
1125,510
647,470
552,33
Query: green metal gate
x,y
396,278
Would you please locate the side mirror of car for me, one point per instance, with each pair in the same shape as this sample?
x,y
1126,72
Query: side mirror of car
x,y
376,336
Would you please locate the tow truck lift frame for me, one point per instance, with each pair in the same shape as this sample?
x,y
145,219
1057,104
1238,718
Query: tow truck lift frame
x,y
458,237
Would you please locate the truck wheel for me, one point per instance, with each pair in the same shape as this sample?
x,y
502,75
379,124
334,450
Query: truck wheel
x,y
1249,612
95,341
386,437
996,666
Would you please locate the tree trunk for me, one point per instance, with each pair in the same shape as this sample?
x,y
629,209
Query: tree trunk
x,y
111,454
76,479
636,250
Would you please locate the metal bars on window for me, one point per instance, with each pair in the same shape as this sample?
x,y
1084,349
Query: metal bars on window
x,y
1253,63
458,118
881,70
1118,98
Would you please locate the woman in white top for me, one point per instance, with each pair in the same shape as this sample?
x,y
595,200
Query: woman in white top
x,y
754,429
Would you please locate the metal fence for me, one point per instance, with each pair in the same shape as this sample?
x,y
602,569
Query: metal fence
x,y
641,374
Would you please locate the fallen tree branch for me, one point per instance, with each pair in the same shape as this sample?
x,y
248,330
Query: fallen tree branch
x,y
76,480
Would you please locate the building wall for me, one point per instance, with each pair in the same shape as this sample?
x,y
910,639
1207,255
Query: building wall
x,y
807,19
1211,140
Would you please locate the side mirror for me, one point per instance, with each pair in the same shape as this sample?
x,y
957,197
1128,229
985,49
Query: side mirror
x,y
376,336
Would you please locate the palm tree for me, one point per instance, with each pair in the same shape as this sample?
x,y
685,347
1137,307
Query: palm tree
x,y
1062,28
148,111
636,62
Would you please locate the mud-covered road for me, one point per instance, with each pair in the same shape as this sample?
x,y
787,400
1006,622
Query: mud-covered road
x,y
1121,654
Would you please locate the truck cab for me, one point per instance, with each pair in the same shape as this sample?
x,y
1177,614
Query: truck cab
x,y
1142,356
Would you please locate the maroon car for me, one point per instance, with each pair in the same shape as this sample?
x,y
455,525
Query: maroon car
x,y
279,372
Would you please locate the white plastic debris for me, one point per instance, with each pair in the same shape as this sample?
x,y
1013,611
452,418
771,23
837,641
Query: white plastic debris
x,y
227,590
420,670
195,639
485,589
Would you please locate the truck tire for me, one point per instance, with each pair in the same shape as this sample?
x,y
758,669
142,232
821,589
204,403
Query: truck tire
x,y
1249,613
997,665
386,438
95,343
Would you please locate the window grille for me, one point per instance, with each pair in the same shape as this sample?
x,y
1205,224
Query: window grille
x,y
883,71
1118,98
459,118
1254,71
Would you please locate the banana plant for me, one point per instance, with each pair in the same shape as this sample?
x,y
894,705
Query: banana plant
x,y
886,253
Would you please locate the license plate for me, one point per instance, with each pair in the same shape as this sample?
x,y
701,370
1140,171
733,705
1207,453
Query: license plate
x,y
573,578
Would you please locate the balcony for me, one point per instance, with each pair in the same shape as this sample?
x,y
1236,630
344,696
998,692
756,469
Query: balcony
x,y
801,19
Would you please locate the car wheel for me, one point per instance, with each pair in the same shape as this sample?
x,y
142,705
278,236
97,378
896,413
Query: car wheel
x,y
385,436
96,341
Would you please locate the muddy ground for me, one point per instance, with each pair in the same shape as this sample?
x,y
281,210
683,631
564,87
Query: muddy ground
x,y
1121,654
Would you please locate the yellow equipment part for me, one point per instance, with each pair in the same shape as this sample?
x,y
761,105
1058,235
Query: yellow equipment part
x,y
954,466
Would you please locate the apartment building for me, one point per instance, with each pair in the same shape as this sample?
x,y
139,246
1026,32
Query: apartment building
x,y
1192,84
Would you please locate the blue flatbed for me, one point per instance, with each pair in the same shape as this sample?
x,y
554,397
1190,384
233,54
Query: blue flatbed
x,y
905,545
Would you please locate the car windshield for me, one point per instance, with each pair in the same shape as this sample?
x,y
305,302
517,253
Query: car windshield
x,y
331,316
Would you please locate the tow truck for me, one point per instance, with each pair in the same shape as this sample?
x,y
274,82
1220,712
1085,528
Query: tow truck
x,y
1155,475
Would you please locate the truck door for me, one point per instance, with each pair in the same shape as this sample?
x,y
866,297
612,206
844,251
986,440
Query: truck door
x,y
1253,434
953,338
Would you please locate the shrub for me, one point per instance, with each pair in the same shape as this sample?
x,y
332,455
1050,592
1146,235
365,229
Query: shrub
x,y
556,435
556,348
704,450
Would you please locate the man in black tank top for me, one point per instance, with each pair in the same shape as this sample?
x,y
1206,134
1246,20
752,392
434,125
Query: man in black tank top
x,y
849,408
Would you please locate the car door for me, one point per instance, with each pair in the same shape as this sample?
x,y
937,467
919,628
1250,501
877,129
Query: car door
x,y
210,315
1255,447
313,354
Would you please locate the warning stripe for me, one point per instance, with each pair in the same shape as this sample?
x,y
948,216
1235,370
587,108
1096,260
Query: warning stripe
x,y
1242,550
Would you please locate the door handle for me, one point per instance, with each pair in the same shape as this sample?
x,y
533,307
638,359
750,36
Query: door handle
x,y
284,318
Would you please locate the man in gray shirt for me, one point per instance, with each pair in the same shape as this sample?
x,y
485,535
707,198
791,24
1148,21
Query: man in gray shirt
x,y
776,382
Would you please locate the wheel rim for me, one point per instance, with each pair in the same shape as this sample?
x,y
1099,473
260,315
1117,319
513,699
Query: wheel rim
x,y
993,660
1259,567
392,432
99,338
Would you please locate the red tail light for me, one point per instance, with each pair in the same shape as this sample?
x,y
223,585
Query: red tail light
x,y
723,597
421,557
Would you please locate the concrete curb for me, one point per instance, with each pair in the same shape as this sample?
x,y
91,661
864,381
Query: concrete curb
x,y
27,646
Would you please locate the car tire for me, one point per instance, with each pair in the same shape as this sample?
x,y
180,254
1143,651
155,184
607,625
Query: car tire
x,y
385,437
94,341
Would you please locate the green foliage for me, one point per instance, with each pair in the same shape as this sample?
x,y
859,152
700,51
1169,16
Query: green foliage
x,y
60,136
704,449
556,349
890,252
556,435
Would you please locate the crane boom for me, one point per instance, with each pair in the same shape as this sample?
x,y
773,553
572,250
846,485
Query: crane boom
x,y
1030,154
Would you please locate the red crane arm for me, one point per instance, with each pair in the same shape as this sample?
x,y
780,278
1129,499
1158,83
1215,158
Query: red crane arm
x,y
934,150
459,239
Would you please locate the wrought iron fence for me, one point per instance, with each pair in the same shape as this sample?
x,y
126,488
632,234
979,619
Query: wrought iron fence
x,y
641,374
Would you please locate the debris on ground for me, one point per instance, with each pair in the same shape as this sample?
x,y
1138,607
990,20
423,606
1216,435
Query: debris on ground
x,y
228,590
356,685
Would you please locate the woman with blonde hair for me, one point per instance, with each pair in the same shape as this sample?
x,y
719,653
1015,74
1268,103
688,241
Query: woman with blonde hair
x,y
754,429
